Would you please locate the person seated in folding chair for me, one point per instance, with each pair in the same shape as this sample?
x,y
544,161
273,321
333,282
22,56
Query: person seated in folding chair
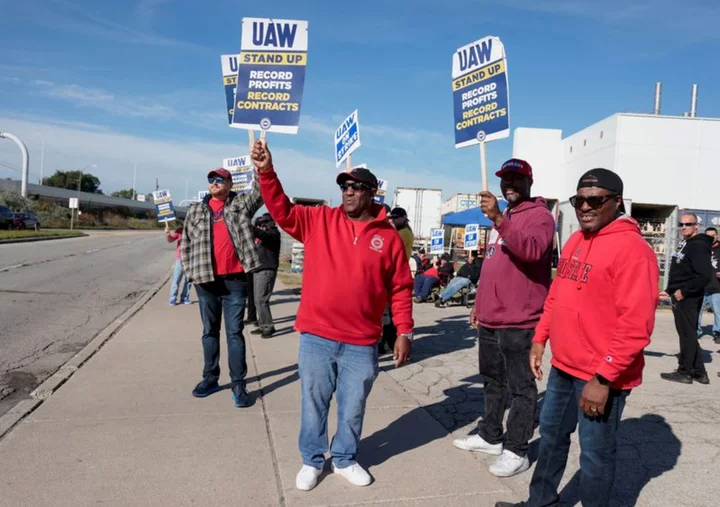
x,y
467,276
441,270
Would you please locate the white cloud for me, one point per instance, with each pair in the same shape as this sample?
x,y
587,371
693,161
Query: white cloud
x,y
72,146
144,13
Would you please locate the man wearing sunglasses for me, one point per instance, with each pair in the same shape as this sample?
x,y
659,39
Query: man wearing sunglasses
x,y
355,263
218,254
690,272
598,317
513,285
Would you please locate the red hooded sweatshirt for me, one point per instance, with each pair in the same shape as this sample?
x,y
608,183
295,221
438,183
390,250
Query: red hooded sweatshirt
x,y
515,274
600,312
351,269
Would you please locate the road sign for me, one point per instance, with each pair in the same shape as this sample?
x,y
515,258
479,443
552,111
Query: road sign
x,y
481,98
437,241
271,75
347,138
163,206
471,236
74,203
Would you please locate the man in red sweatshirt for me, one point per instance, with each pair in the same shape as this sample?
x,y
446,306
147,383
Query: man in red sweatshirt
x,y
599,317
513,286
340,324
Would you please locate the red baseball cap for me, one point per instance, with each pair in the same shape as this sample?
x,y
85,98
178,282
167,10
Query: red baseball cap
x,y
515,165
223,173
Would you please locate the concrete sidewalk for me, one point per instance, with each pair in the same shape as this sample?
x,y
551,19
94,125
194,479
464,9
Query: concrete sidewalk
x,y
124,430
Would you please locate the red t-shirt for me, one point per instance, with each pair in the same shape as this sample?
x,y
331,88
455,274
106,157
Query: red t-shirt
x,y
224,254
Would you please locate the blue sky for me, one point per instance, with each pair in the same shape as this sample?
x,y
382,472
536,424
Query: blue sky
x,y
139,82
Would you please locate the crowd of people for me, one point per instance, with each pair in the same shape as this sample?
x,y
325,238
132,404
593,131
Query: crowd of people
x,y
598,313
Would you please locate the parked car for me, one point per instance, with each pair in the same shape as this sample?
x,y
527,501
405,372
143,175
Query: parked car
x,y
26,221
7,217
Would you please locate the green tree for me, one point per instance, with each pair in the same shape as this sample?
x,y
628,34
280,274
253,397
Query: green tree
x,y
69,180
125,194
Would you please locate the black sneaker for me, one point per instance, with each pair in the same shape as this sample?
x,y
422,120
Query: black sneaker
x,y
268,333
716,338
256,331
241,397
205,388
701,378
440,304
677,376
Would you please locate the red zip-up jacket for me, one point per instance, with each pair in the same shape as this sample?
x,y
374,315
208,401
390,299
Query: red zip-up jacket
x,y
600,312
350,272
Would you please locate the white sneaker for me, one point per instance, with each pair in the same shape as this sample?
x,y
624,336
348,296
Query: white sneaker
x,y
307,478
476,443
509,464
355,474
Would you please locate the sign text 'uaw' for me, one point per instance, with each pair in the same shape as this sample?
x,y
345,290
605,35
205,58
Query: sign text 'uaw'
x,y
347,138
481,98
270,75
471,236
437,241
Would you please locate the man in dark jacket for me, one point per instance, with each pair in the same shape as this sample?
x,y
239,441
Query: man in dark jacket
x,y
513,285
712,291
690,272
466,275
267,238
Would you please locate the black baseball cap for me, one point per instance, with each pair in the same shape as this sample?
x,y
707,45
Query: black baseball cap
x,y
398,213
359,174
603,178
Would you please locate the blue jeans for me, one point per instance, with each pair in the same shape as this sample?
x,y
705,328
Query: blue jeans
x,y
424,286
453,287
175,285
713,301
328,367
225,295
559,417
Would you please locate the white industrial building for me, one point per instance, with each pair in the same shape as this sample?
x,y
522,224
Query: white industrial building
x,y
667,163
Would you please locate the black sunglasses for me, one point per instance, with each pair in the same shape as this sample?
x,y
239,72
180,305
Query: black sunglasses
x,y
594,202
216,179
356,186
687,224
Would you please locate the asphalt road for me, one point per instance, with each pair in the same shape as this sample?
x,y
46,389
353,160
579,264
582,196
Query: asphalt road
x,y
55,296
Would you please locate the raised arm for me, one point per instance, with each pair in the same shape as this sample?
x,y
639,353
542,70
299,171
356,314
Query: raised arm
x,y
294,219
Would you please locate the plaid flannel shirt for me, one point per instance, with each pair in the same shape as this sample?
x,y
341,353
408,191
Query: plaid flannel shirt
x,y
196,248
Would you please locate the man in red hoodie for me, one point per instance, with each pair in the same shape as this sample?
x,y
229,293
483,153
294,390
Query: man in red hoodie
x,y
340,324
513,286
599,317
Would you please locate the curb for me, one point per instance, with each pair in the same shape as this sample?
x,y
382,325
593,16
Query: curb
x,y
35,240
53,383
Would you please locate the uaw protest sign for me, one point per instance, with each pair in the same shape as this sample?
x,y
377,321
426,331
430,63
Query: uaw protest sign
x,y
271,75
481,99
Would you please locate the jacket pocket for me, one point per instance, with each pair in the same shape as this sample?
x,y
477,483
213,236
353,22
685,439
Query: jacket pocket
x,y
567,339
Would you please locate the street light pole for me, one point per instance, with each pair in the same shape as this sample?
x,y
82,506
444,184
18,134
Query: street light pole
x,y
134,180
42,156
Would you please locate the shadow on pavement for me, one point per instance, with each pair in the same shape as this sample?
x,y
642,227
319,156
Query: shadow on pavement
x,y
448,334
706,355
647,448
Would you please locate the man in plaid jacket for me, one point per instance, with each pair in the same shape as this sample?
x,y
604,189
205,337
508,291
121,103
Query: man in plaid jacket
x,y
218,255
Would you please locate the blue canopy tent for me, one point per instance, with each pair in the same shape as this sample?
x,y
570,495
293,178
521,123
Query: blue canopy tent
x,y
471,216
